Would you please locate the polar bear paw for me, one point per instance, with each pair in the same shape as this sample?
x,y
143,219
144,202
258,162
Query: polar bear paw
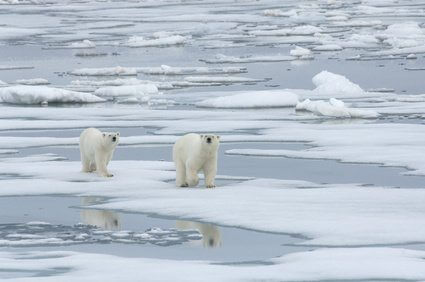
x,y
210,186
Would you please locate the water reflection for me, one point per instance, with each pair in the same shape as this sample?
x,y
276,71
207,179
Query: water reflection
x,y
107,220
211,235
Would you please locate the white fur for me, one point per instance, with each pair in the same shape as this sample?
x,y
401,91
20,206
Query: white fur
x,y
96,150
192,153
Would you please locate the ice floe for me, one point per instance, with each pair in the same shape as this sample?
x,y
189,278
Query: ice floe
x,y
159,40
112,71
325,214
32,81
335,85
334,108
222,79
353,264
141,92
220,59
43,94
254,99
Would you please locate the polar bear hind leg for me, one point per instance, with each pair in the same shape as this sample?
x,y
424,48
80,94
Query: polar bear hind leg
x,y
181,174
86,163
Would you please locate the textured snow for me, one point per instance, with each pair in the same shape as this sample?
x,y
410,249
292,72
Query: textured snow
x,y
253,99
43,94
334,108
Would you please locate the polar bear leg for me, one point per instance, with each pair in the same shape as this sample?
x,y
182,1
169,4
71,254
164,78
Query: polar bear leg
x,y
85,162
210,171
192,178
101,165
181,174
92,167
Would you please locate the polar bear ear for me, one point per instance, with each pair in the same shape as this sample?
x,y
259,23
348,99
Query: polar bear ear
x,y
218,136
202,135
118,134
104,134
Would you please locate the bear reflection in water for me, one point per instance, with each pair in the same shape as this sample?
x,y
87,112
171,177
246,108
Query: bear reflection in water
x,y
211,236
103,219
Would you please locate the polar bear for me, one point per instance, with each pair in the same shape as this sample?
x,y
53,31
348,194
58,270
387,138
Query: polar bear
x,y
96,150
192,153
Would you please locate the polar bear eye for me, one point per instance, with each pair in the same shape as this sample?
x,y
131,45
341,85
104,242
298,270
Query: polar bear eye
x,y
104,134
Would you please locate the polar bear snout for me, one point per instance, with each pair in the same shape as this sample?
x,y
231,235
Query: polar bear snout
x,y
114,139
208,139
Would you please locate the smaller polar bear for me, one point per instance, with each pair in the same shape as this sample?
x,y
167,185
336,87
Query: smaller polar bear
x,y
192,153
96,150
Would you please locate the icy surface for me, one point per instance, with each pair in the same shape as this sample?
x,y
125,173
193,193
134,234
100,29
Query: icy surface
x,y
359,264
334,108
255,99
299,86
43,94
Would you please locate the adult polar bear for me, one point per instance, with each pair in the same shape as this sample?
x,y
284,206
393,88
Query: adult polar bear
x,y
96,150
193,152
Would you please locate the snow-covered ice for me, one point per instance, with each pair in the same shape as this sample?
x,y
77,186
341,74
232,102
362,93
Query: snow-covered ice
x,y
43,94
254,99
358,264
334,108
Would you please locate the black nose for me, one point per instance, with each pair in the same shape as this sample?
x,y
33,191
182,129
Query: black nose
x,y
209,140
114,139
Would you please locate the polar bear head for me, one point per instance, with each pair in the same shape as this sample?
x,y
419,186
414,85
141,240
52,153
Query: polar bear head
x,y
110,139
210,142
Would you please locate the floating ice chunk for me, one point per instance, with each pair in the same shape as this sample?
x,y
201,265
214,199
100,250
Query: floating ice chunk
x,y
253,99
411,57
330,84
220,59
300,52
33,81
12,67
168,70
221,79
334,108
403,30
42,94
141,91
140,41
83,44
328,47
2,83
279,13
113,71
122,81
